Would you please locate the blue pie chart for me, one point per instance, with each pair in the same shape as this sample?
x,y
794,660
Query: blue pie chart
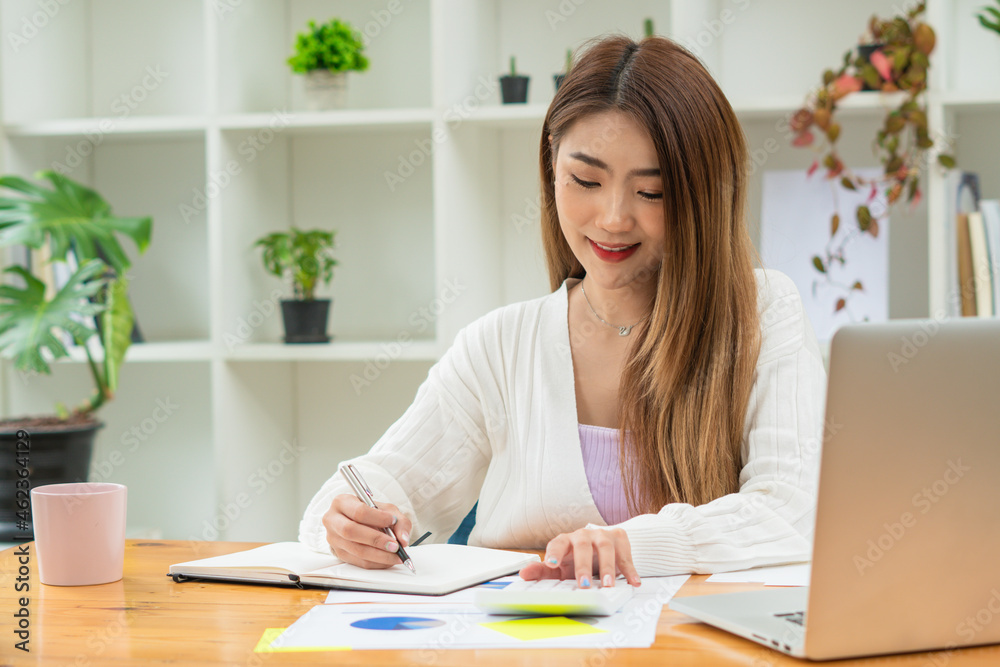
x,y
396,623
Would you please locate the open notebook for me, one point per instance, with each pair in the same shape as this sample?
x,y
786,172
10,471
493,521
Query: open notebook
x,y
441,568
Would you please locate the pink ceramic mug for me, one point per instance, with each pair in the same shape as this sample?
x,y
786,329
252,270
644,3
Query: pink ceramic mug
x,y
79,532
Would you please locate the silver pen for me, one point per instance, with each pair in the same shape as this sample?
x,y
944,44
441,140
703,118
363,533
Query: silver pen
x,y
364,492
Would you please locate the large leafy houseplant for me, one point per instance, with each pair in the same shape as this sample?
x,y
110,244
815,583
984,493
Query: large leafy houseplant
x,y
898,62
68,218
304,258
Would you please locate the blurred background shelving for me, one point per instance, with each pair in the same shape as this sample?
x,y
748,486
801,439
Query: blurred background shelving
x,y
186,110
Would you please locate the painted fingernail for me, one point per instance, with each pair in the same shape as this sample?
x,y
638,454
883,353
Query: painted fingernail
x,y
552,560
608,581
584,582
394,519
392,547
405,537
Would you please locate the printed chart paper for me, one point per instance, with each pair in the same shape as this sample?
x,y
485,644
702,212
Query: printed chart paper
x,y
439,625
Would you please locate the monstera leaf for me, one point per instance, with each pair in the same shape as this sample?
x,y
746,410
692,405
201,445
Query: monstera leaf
x,y
72,216
116,329
30,324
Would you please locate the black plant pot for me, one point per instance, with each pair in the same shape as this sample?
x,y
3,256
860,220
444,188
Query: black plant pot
x,y
514,89
52,455
865,51
558,79
305,321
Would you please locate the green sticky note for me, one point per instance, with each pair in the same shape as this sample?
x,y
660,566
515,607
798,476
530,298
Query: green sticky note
x,y
542,627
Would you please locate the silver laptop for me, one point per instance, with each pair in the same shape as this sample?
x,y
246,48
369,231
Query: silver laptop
x,y
906,553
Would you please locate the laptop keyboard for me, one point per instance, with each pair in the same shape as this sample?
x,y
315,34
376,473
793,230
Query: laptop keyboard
x,y
796,617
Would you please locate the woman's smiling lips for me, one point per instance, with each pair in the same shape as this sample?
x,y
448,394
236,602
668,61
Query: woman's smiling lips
x,y
613,252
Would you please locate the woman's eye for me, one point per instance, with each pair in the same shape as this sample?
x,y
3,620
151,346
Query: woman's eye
x,y
582,183
652,196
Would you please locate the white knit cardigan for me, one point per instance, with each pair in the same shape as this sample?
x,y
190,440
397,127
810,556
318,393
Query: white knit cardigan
x,y
496,422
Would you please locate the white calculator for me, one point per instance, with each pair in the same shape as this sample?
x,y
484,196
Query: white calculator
x,y
552,597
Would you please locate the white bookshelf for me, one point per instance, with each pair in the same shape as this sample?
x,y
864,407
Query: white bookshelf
x,y
186,110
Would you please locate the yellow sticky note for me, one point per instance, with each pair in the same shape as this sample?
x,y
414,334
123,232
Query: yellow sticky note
x,y
270,634
542,627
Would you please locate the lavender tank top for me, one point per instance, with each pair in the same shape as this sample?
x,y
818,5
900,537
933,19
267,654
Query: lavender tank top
x,y
599,446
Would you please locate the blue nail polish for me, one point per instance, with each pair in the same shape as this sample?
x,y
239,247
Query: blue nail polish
x,y
553,561
585,582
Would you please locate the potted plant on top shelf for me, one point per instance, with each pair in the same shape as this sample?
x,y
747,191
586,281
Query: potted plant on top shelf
x,y
325,54
897,63
305,258
36,323
514,86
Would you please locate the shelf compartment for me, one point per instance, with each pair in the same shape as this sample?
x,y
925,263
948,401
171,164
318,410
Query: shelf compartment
x,y
73,64
373,188
256,37
156,431
162,179
483,35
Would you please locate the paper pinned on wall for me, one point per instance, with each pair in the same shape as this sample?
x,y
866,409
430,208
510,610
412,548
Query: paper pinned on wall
x,y
796,210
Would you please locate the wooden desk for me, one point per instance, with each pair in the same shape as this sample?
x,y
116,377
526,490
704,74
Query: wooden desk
x,y
146,617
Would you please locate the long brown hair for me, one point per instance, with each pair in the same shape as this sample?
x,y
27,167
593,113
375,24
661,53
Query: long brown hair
x,y
688,376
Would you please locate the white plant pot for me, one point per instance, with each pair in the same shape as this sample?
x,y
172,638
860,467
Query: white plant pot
x,y
325,90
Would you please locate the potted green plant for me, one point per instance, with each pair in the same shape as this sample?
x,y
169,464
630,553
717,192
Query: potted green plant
x,y
897,63
514,86
325,53
558,78
305,258
74,222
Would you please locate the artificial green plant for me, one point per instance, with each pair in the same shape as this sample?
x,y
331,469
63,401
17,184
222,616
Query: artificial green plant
x,y
334,46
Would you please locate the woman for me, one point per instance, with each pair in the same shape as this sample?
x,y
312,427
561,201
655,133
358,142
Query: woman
x,y
660,411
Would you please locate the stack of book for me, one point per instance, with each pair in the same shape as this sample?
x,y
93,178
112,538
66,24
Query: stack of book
x,y
54,275
975,276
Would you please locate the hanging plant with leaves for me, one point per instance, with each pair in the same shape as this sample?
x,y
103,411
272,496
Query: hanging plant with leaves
x,y
898,64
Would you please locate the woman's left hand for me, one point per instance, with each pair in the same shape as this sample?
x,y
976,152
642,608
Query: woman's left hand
x,y
583,554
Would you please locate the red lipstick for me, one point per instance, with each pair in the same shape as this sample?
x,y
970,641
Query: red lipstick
x,y
614,255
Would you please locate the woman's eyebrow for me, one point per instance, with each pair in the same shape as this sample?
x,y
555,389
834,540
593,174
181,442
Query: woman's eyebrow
x,y
592,161
601,164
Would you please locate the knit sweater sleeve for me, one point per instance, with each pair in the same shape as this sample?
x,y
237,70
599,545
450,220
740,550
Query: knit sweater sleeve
x,y
770,520
431,462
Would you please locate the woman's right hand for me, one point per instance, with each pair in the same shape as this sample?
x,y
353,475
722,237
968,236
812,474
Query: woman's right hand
x,y
353,531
